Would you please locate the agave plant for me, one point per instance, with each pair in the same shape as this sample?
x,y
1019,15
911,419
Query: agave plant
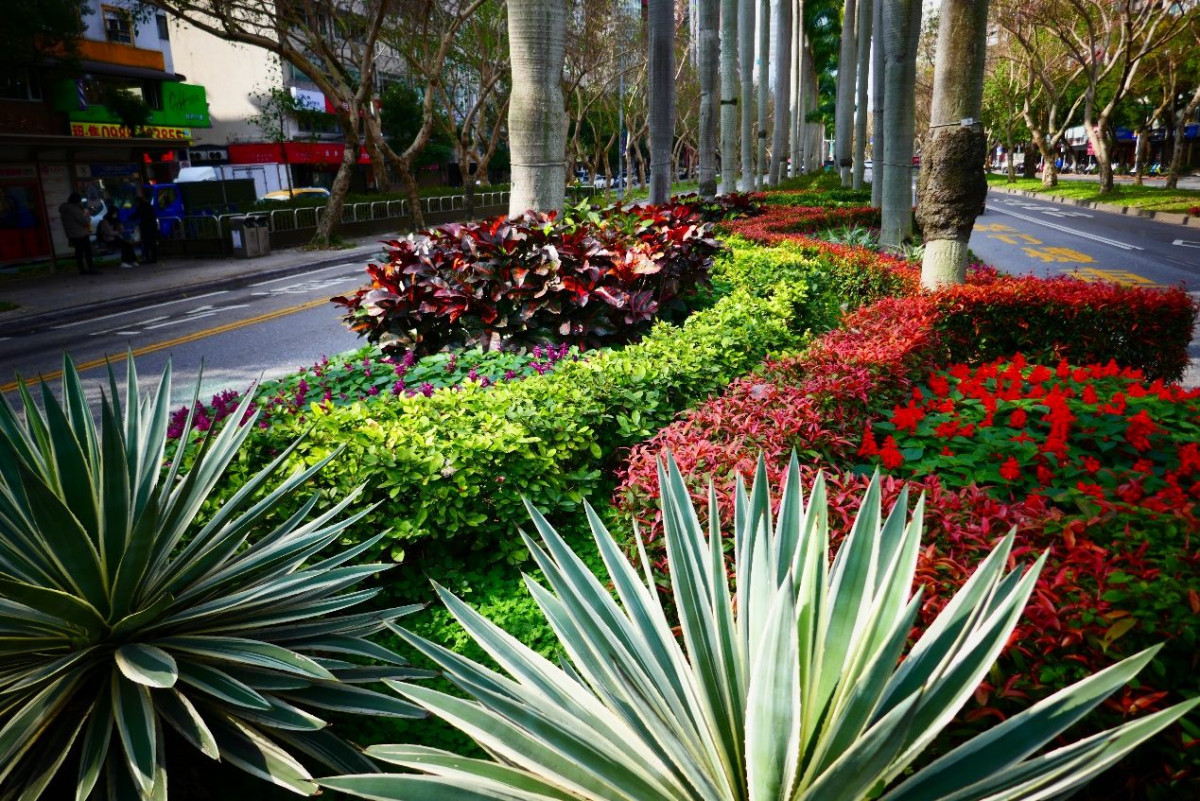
x,y
790,686
121,613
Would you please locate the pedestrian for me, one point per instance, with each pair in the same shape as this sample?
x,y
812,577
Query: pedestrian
x,y
111,234
77,224
148,224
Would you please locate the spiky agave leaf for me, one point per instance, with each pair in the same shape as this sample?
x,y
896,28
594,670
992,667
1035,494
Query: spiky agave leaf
x,y
120,613
789,688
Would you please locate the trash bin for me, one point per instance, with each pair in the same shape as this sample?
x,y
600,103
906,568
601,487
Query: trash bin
x,y
243,237
260,225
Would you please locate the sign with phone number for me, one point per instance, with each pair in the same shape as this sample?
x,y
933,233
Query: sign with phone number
x,y
121,132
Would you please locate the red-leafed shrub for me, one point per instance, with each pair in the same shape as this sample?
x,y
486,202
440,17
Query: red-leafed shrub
x,y
722,207
778,223
1064,318
1194,211
1121,532
592,279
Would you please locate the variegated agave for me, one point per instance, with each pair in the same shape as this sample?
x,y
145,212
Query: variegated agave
x,y
120,613
789,687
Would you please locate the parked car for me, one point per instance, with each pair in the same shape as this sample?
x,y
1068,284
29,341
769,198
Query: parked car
x,y
298,192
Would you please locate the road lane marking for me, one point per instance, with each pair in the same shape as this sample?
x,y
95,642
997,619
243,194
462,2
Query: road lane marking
x,y
170,343
1012,239
140,309
1104,240
311,272
1186,243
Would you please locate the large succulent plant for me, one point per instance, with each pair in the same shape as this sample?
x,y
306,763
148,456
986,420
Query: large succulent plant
x,y
790,686
120,613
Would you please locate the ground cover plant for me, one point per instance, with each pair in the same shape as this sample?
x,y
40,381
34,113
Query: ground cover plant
x,y
1148,196
364,374
128,625
790,686
585,277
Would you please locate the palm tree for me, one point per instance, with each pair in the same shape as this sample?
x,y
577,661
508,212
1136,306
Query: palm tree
x,y
797,113
660,27
729,95
953,184
863,19
783,61
902,27
709,54
843,120
537,121
746,57
764,75
877,145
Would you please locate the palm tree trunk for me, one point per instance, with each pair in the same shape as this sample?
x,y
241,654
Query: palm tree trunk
x,y
953,183
746,59
862,75
537,119
660,24
783,68
710,50
901,29
729,95
877,143
764,82
795,120
843,120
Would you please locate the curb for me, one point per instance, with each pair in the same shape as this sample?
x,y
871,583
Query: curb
x,y
35,322
1172,218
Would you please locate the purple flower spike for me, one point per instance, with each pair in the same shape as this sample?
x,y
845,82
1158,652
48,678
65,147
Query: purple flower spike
x,y
427,389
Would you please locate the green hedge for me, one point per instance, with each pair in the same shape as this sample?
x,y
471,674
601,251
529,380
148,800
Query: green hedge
x,y
455,466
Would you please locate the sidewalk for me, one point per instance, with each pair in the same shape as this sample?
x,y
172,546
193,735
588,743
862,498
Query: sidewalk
x,y
66,295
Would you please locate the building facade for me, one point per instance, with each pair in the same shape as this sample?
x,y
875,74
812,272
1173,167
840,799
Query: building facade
x,y
105,123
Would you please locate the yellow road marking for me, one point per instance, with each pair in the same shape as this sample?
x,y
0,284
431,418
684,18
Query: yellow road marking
x,y
170,343
1058,254
1123,277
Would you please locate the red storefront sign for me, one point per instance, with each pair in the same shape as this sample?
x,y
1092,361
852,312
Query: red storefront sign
x,y
292,153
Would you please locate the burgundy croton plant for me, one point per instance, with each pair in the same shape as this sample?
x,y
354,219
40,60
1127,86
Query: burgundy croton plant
x,y
586,278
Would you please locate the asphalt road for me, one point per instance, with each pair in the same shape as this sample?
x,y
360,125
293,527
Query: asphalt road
x,y
1024,235
268,329
236,336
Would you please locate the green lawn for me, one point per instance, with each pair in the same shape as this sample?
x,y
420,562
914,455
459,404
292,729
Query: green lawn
x,y
1154,198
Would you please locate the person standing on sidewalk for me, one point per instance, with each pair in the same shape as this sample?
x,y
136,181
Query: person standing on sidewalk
x,y
111,234
78,226
148,223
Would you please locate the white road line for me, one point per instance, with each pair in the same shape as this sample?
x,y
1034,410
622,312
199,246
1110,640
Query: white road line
x,y
118,329
140,309
1114,243
313,272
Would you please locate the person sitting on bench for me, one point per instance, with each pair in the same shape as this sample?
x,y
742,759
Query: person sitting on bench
x,y
112,236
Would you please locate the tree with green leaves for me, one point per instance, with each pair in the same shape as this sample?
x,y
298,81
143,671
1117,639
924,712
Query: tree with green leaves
x,y
34,29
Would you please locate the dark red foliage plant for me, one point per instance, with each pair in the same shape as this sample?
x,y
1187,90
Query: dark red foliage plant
x,y
588,278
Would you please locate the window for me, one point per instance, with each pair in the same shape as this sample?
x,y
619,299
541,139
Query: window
x,y
295,76
20,85
117,25
164,33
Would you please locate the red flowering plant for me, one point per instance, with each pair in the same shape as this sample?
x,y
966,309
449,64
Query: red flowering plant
x,y
1106,468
